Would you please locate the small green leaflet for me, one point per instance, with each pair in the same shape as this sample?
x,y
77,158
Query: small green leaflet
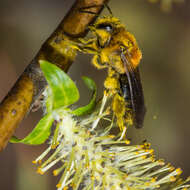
x,y
39,134
88,108
61,93
64,90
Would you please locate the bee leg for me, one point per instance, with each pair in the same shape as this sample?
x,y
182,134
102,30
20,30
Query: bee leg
x,y
119,109
96,62
85,46
111,83
112,72
86,42
88,46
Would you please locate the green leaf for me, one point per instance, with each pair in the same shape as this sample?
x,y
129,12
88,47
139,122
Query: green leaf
x,y
89,83
88,108
64,90
39,134
48,100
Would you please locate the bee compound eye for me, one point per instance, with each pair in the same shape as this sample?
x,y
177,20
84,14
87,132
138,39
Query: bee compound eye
x,y
105,26
108,28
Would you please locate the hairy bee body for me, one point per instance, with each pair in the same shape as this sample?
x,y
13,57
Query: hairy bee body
x,y
112,52
116,49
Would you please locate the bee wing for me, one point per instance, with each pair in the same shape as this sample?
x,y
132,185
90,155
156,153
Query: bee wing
x,y
132,83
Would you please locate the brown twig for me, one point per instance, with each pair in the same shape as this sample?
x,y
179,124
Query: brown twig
x,y
31,83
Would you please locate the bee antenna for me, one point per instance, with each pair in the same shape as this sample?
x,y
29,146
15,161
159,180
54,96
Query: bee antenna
x,y
108,8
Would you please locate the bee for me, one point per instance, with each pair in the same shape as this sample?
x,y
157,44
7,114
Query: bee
x,y
116,49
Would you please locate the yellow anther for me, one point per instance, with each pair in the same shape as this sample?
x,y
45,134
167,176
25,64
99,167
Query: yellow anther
x,y
39,161
55,172
151,151
147,145
171,167
153,159
153,180
147,183
179,171
172,178
161,162
144,157
58,185
40,171
111,136
127,142
34,162
53,146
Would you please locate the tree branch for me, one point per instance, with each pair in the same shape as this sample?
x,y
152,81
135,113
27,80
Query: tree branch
x,y
31,83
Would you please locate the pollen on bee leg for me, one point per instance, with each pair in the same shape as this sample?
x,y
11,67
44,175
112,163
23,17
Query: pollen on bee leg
x,y
111,83
111,72
118,107
129,121
120,123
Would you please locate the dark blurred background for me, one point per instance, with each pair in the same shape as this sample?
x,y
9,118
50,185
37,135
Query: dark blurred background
x,y
165,42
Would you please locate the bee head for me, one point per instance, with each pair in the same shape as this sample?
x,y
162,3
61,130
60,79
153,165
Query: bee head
x,y
104,28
